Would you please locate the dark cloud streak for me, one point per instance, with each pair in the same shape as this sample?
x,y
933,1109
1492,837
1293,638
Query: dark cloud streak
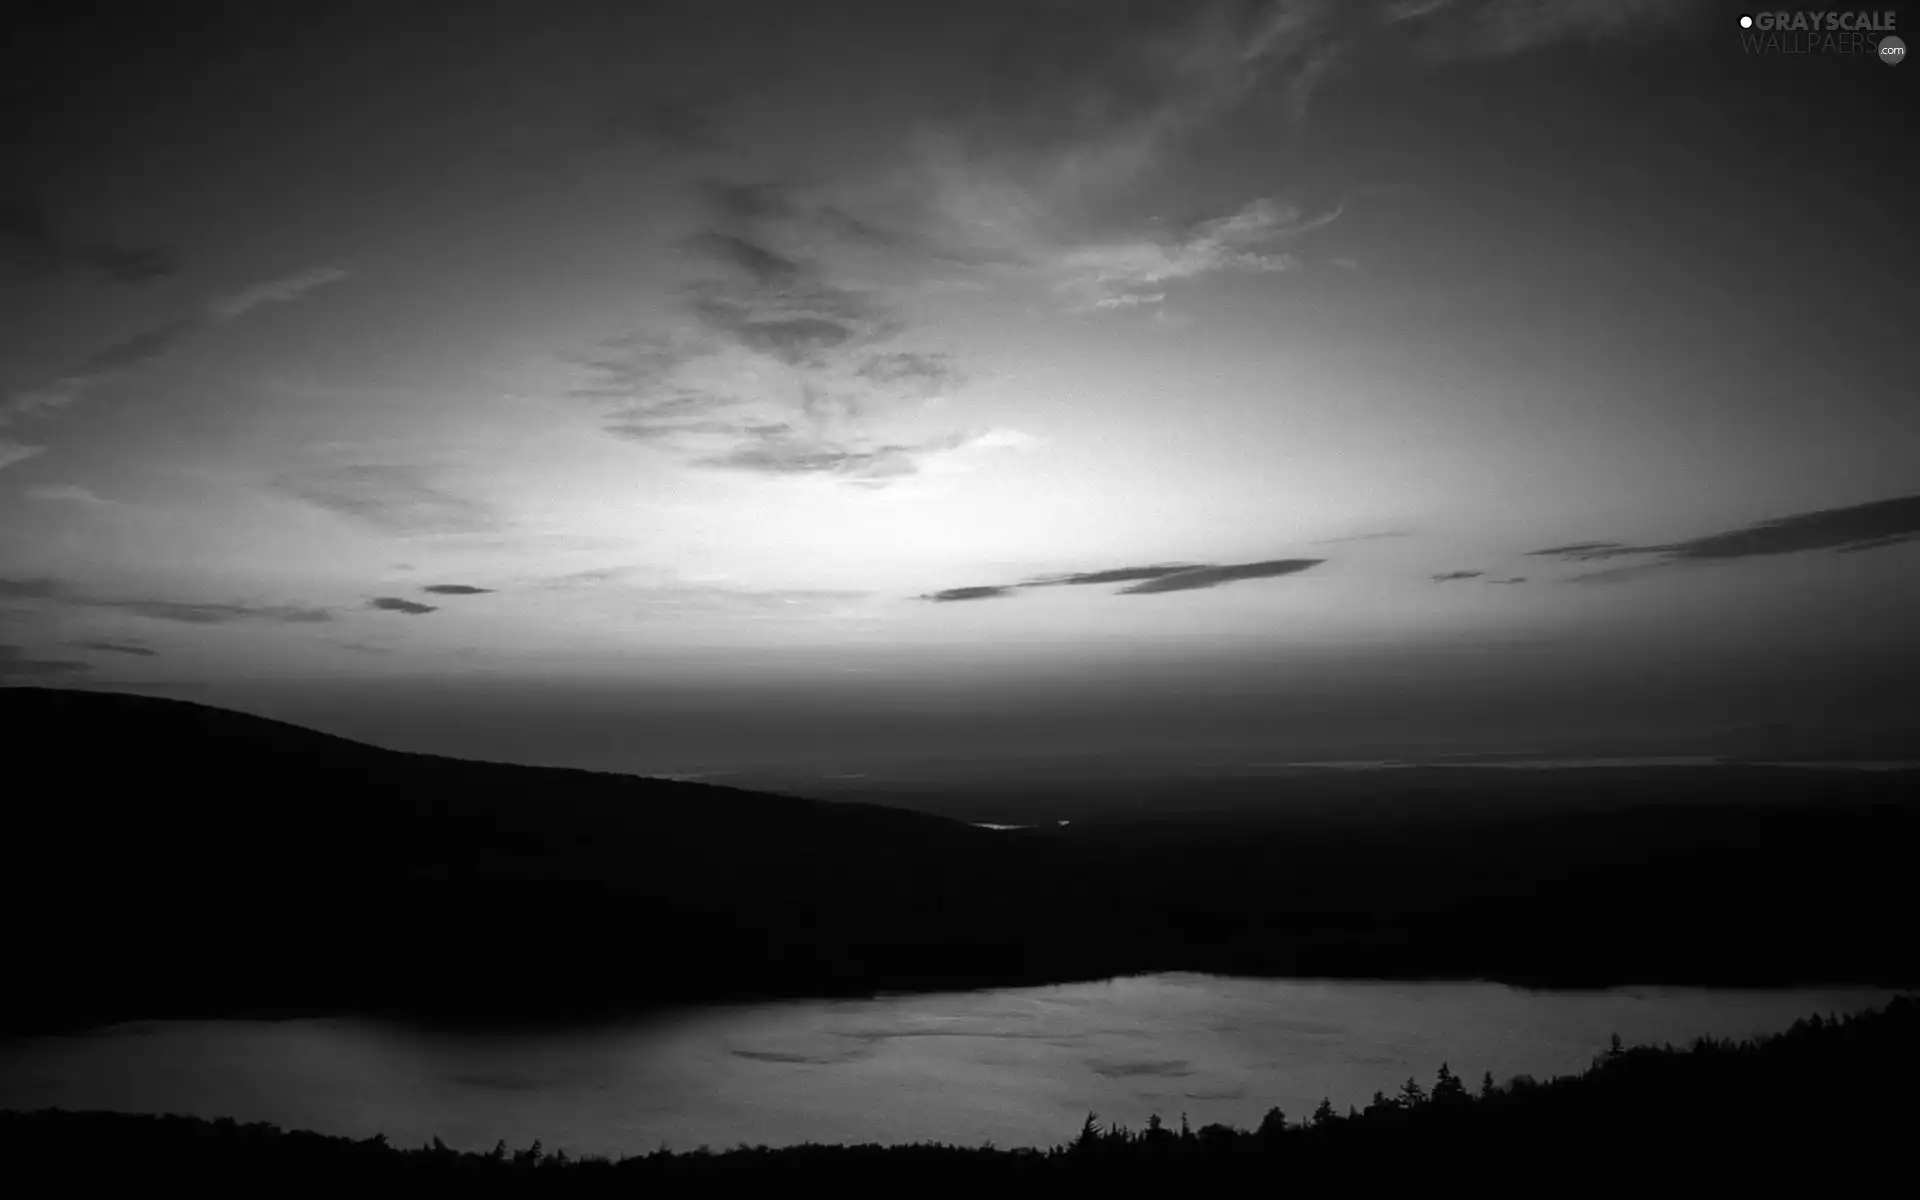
x,y
1207,577
1857,527
399,605
1146,580
982,592
116,648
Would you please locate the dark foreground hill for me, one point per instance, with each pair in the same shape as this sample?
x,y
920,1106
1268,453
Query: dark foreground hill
x,y
166,858
169,857
1826,1108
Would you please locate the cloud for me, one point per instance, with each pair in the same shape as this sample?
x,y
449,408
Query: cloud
x,y
1363,537
923,371
632,367
456,589
104,365
391,498
1116,575
1512,580
1206,577
214,613
12,452
1854,528
116,648
1146,580
761,265
60,592
1478,29
1136,271
396,604
120,358
780,450
1450,576
684,598
68,493
1003,438
43,587
799,323
781,369
30,242
277,291
1581,550
985,592
14,662
363,648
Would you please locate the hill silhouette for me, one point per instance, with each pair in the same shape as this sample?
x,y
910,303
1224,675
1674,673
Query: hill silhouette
x,y
183,858
171,858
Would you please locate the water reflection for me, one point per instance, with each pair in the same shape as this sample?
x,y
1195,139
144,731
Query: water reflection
x,y
1017,1066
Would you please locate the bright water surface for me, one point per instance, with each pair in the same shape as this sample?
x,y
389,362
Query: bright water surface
x,y
1019,1066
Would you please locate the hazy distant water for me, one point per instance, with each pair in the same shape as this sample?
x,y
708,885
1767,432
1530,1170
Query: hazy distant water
x,y
1018,1066
1560,764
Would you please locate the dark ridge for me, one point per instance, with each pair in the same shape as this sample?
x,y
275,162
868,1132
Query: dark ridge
x,y
169,858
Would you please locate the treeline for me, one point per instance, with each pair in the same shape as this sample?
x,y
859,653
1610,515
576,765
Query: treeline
x,y
1828,1103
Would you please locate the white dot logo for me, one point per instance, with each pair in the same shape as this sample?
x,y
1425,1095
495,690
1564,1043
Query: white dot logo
x,y
1746,22
1893,51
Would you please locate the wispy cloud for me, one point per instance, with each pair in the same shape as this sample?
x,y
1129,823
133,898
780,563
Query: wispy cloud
x,y
1451,576
979,592
1510,580
1137,271
16,662
364,648
456,589
1116,575
116,648
400,605
31,242
1854,528
394,498
1207,577
59,592
784,370
68,493
691,598
1581,551
12,452
1145,580
923,371
276,291
1479,29
42,587
108,363
1363,537
780,306
121,358
215,613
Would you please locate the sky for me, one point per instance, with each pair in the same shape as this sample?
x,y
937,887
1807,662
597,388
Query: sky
x,y
670,386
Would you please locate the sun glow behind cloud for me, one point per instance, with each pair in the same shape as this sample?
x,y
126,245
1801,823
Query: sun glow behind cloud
x,y
705,387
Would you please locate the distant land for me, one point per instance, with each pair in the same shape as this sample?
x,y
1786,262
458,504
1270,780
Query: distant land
x,y
169,858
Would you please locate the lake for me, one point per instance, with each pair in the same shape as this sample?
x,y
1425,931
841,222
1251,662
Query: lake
x,y
1018,1066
